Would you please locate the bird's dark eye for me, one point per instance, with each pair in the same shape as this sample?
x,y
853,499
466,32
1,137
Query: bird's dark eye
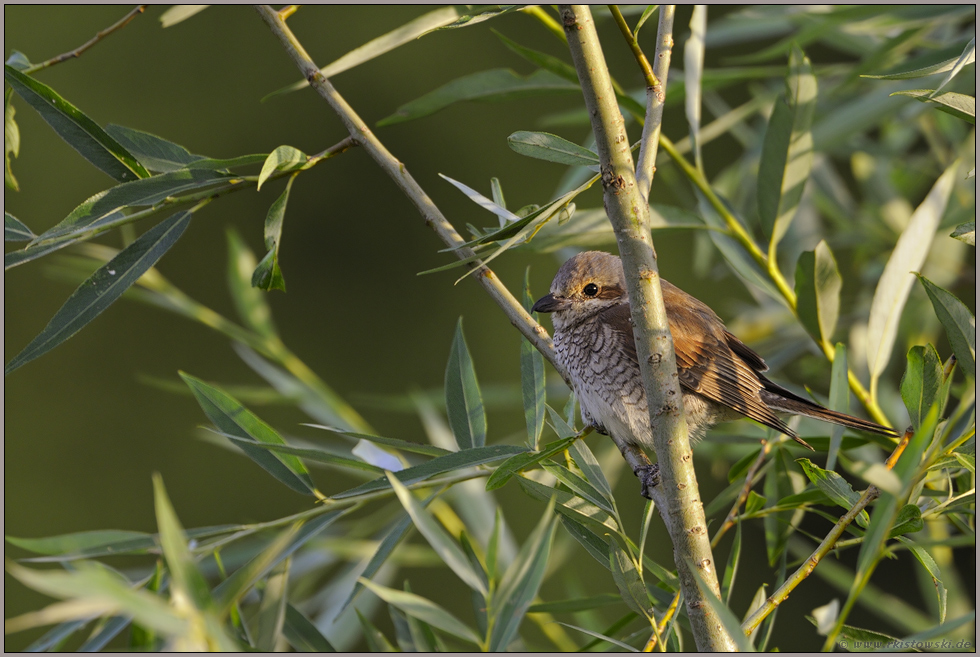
x,y
591,290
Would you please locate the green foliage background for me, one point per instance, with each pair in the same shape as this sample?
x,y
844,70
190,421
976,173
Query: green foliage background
x,y
83,437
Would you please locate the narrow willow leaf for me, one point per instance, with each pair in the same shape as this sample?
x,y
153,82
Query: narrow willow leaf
x,y
404,445
271,614
968,56
840,401
589,465
908,521
502,213
464,403
103,287
303,634
68,543
375,639
142,544
552,148
230,591
519,585
731,566
403,633
896,281
53,638
443,544
32,252
959,322
474,19
533,384
941,67
79,131
728,619
558,423
180,13
781,480
315,455
578,509
602,637
787,152
576,604
230,417
221,164
267,275
627,578
966,233
921,382
14,230
284,158
693,67
423,638
959,105
588,539
495,84
540,59
406,33
11,140
105,591
932,568
818,286
580,486
647,13
520,462
424,610
440,465
252,306
834,486
113,206
185,578
154,153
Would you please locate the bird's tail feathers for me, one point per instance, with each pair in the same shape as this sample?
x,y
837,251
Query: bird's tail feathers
x,y
781,399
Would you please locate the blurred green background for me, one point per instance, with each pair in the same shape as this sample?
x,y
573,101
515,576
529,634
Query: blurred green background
x,y
83,435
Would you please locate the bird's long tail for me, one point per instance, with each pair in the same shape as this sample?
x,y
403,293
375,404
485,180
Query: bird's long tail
x,y
781,399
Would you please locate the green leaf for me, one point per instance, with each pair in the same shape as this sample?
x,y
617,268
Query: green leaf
x,y
533,383
423,609
840,401
540,59
580,486
455,461
818,286
968,56
180,13
55,637
303,634
941,67
552,148
473,19
14,230
731,566
112,207
932,568
576,604
921,382
782,480
316,455
588,539
234,419
787,151
11,140
406,33
271,615
627,578
82,133
525,460
519,585
154,153
959,105
587,462
502,213
464,403
375,639
834,486
103,287
404,445
185,578
602,637
142,544
222,164
959,322
251,304
966,233
895,282
267,275
443,544
284,158
578,509
693,68
908,521
495,84
68,543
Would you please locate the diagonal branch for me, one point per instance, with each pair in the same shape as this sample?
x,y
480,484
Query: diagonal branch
x,y
646,162
628,212
71,54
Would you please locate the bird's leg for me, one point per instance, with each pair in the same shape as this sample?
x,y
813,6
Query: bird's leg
x,y
648,473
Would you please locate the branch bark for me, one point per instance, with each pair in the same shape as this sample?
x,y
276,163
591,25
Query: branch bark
x,y
646,161
628,212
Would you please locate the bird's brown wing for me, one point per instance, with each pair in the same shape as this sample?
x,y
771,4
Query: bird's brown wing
x,y
706,364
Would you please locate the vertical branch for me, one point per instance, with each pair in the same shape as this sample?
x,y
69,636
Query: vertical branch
x,y
629,214
646,162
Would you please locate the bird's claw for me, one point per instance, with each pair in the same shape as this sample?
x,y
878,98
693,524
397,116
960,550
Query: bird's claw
x,y
649,476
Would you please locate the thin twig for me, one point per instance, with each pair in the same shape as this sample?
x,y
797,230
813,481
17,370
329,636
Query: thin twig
x,y
641,58
743,495
71,54
646,162
361,133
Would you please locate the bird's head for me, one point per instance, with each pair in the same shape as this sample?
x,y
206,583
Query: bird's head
x,y
586,284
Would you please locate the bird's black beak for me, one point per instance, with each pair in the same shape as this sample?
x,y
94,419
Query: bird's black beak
x,y
548,304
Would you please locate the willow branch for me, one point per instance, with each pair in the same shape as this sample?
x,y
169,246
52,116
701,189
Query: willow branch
x,y
71,54
629,214
646,163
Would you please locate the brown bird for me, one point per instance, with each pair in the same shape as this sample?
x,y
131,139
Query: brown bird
x,y
721,378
